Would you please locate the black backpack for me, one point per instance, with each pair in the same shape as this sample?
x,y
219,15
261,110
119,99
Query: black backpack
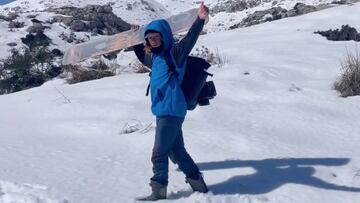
x,y
196,89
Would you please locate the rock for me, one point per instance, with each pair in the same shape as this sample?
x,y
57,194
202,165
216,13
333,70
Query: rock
x,y
36,21
56,52
77,25
345,34
31,16
104,9
10,17
16,24
263,16
36,27
274,13
39,39
129,7
92,18
112,55
66,20
300,9
71,38
68,38
12,44
341,2
231,6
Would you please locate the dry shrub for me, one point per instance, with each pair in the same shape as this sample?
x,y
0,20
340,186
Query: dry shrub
x,y
211,56
348,84
25,69
76,73
139,67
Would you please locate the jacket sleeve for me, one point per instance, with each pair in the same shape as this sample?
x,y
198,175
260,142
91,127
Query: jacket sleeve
x,y
183,48
144,58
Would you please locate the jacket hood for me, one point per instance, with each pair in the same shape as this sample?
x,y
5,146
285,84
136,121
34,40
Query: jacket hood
x,y
163,27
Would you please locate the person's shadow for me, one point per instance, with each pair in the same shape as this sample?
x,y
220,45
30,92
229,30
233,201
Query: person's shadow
x,y
272,173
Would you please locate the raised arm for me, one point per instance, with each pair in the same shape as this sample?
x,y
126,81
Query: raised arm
x,y
140,53
184,47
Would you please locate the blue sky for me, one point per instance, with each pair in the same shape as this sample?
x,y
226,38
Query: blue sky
x,y
2,2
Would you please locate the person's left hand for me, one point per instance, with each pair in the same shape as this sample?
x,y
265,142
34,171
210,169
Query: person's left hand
x,y
135,28
203,11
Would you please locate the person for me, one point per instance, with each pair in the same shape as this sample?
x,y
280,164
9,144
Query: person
x,y
167,61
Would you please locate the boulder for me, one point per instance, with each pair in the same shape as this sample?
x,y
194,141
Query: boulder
x,y
12,44
346,33
92,18
300,9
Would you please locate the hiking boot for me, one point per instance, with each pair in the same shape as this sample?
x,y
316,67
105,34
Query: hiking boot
x,y
158,192
198,184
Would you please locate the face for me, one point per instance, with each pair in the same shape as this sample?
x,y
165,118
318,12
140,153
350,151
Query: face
x,y
154,39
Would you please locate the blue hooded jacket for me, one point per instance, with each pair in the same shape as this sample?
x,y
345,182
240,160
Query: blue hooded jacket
x,y
166,94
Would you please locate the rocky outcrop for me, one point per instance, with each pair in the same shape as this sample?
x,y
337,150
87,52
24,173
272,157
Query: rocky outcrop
x,y
300,9
9,17
56,52
346,33
16,24
341,2
231,6
36,27
93,18
72,38
275,13
36,40
264,16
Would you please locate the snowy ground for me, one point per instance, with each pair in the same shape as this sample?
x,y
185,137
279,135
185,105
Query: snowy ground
x,y
277,134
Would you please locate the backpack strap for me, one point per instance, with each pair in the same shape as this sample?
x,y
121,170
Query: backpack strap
x,y
170,61
209,74
148,87
171,65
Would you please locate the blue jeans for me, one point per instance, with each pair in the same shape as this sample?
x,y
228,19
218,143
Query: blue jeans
x,y
169,143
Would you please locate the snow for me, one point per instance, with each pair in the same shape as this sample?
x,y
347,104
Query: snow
x,y
21,193
140,12
223,20
278,134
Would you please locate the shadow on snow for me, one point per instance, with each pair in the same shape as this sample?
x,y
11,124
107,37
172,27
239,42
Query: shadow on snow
x,y
272,173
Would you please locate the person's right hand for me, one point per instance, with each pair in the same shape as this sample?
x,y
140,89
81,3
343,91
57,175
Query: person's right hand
x,y
203,11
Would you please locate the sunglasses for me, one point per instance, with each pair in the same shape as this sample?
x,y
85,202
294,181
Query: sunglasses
x,y
153,37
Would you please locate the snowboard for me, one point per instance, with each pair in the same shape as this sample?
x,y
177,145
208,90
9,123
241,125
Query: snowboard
x,y
104,45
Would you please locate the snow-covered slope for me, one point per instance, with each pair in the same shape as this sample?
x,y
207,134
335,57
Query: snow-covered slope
x,y
224,20
133,11
276,133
